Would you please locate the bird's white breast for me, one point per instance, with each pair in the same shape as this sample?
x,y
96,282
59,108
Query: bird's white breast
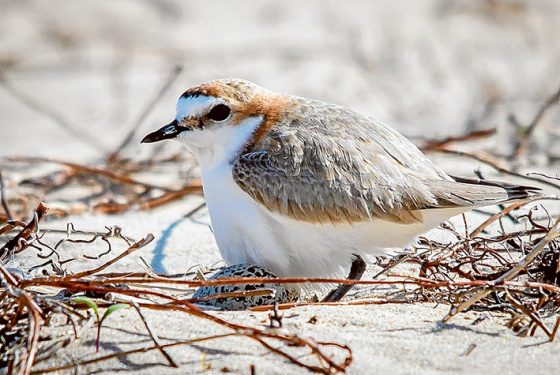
x,y
242,231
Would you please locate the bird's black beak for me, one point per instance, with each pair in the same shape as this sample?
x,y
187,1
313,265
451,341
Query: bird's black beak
x,y
169,131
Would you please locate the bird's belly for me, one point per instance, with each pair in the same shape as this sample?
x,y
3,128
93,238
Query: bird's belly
x,y
317,250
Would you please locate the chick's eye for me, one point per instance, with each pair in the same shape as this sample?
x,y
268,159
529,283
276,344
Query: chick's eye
x,y
219,113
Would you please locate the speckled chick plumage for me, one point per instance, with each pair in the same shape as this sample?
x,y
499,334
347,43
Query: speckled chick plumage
x,y
280,293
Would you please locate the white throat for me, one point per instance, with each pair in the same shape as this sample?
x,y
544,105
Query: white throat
x,y
213,147
228,205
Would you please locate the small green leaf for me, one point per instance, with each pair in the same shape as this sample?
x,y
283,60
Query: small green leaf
x,y
113,308
87,301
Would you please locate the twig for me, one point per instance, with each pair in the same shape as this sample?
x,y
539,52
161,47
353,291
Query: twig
x,y
14,243
111,189
555,329
469,350
137,245
360,302
544,175
194,210
35,324
508,210
523,143
534,317
85,169
169,196
553,233
154,336
34,312
275,317
472,136
504,212
10,279
114,156
72,282
249,332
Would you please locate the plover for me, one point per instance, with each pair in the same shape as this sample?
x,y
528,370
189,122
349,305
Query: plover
x,y
305,188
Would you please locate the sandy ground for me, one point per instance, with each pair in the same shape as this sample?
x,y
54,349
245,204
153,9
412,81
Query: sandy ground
x,y
431,68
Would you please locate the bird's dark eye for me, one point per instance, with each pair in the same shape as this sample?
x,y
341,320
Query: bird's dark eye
x,y
219,113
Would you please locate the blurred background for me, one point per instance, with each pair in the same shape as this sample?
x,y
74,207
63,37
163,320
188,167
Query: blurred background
x,y
76,76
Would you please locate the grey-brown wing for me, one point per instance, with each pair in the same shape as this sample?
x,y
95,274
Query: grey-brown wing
x,y
340,166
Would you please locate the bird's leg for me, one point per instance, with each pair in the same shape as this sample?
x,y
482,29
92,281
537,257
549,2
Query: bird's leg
x,y
357,269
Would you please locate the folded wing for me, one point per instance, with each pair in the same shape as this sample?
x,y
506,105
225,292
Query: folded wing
x,y
329,164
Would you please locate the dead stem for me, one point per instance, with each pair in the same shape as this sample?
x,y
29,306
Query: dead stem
x,y
523,143
136,246
531,314
359,302
250,332
506,211
553,233
472,136
154,337
115,155
84,169
17,243
134,194
73,283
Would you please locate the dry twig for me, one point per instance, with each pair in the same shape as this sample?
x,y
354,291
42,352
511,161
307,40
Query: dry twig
x,y
523,142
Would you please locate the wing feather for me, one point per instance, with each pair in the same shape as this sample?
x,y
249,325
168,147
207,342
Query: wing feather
x,y
329,164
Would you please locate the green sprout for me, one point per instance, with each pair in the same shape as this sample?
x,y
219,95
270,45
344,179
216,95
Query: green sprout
x,y
99,319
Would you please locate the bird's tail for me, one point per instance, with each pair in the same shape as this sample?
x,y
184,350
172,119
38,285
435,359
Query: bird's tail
x,y
514,192
474,192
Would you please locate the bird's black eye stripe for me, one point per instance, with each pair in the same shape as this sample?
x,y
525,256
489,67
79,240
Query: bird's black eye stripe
x,y
220,112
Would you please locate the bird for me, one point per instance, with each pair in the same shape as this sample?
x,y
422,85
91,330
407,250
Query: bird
x,y
306,188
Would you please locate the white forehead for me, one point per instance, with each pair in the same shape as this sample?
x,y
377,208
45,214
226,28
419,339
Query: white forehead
x,y
194,106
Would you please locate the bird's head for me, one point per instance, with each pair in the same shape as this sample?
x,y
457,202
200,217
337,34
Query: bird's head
x,y
215,119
